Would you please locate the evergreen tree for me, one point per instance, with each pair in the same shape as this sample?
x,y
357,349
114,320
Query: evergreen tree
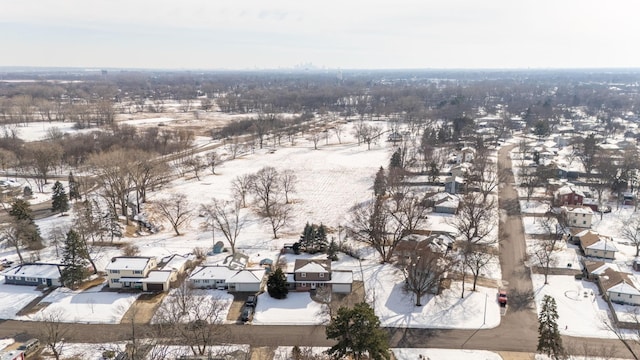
x,y
277,284
27,231
380,183
321,238
59,200
396,159
74,259
74,193
549,340
332,251
358,332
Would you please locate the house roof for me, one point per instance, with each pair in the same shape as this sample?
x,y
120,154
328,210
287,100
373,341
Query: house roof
x,y
624,288
578,210
312,266
583,232
157,276
566,190
611,278
208,272
41,271
128,263
596,267
174,262
247,276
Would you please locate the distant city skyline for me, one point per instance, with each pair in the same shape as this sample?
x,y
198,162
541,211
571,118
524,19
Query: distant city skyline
x,y
377,34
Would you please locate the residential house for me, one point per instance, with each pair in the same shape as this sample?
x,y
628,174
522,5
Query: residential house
x,y
34,274
568,195
309,274
129,271
592,269
578,216
454,185
176,264
461,170
444,203
223,278
466,155
414,243
619,287
596,245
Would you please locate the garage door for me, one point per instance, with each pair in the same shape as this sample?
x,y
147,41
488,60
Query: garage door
x,y
155,287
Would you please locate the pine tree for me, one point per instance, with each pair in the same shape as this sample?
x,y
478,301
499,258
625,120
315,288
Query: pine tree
x,y
74,259
26,228
59,199
277,284
357,331
396,159
74,193
380,183
549,340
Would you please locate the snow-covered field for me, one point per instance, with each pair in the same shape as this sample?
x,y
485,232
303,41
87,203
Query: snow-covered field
x,y
14,297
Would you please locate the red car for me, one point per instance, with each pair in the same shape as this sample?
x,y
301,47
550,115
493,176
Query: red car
x,y
502,297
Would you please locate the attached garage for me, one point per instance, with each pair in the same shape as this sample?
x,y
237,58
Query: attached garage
x,y
246,281
341,281
157,280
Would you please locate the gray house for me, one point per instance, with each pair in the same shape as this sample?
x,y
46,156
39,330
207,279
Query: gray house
x,y
34,274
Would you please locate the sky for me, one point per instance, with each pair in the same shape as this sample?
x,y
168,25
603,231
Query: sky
x,y
344,34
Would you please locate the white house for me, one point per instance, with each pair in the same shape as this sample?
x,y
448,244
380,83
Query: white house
x,y
620,287
466,154
128,271
594,244
223,278
578,216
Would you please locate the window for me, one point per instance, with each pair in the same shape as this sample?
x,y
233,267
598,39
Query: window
x,y
321,275
304,275
137,272
584,215
584,222
115,281
114,271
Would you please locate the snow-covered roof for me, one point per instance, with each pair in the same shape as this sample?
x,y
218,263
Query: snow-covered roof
x,y
128,263
157,276
341,277
603,245
312,267
566,190
624,288
578,210
40,271
174,262
247,276
208,272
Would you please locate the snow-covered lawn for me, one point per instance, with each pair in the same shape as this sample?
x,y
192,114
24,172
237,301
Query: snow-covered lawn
x,y
296,309
579,315
91,306
533,207
533,225
36,131
208,298
396,308
14,297
444,354
565,255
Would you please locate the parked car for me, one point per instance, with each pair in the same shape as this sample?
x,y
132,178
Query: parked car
x,y
6,263
247,313
30,346
252,300
502,297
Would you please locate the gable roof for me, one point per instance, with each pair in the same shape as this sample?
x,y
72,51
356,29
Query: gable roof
x,y
312,266
566,190
208,272
247,276
610,279
578,210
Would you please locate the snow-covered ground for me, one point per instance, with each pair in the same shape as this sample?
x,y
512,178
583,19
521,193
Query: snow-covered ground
x,y
14,297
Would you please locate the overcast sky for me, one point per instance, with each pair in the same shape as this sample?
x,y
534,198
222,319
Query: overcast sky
x,y
346,34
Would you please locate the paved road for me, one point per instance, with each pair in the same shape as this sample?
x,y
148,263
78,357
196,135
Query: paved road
x,y
517,331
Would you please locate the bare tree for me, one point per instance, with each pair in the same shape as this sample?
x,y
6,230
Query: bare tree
x,y
373,224
225,216
176,209
53,331
10,235
43,158
266,187
370,134
114,179
338,129
241,186
630,230
194,163
315,136
289,181
279,217
212,160
410,213
476,258
475,220
195,318
545,248
425,271
146,173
